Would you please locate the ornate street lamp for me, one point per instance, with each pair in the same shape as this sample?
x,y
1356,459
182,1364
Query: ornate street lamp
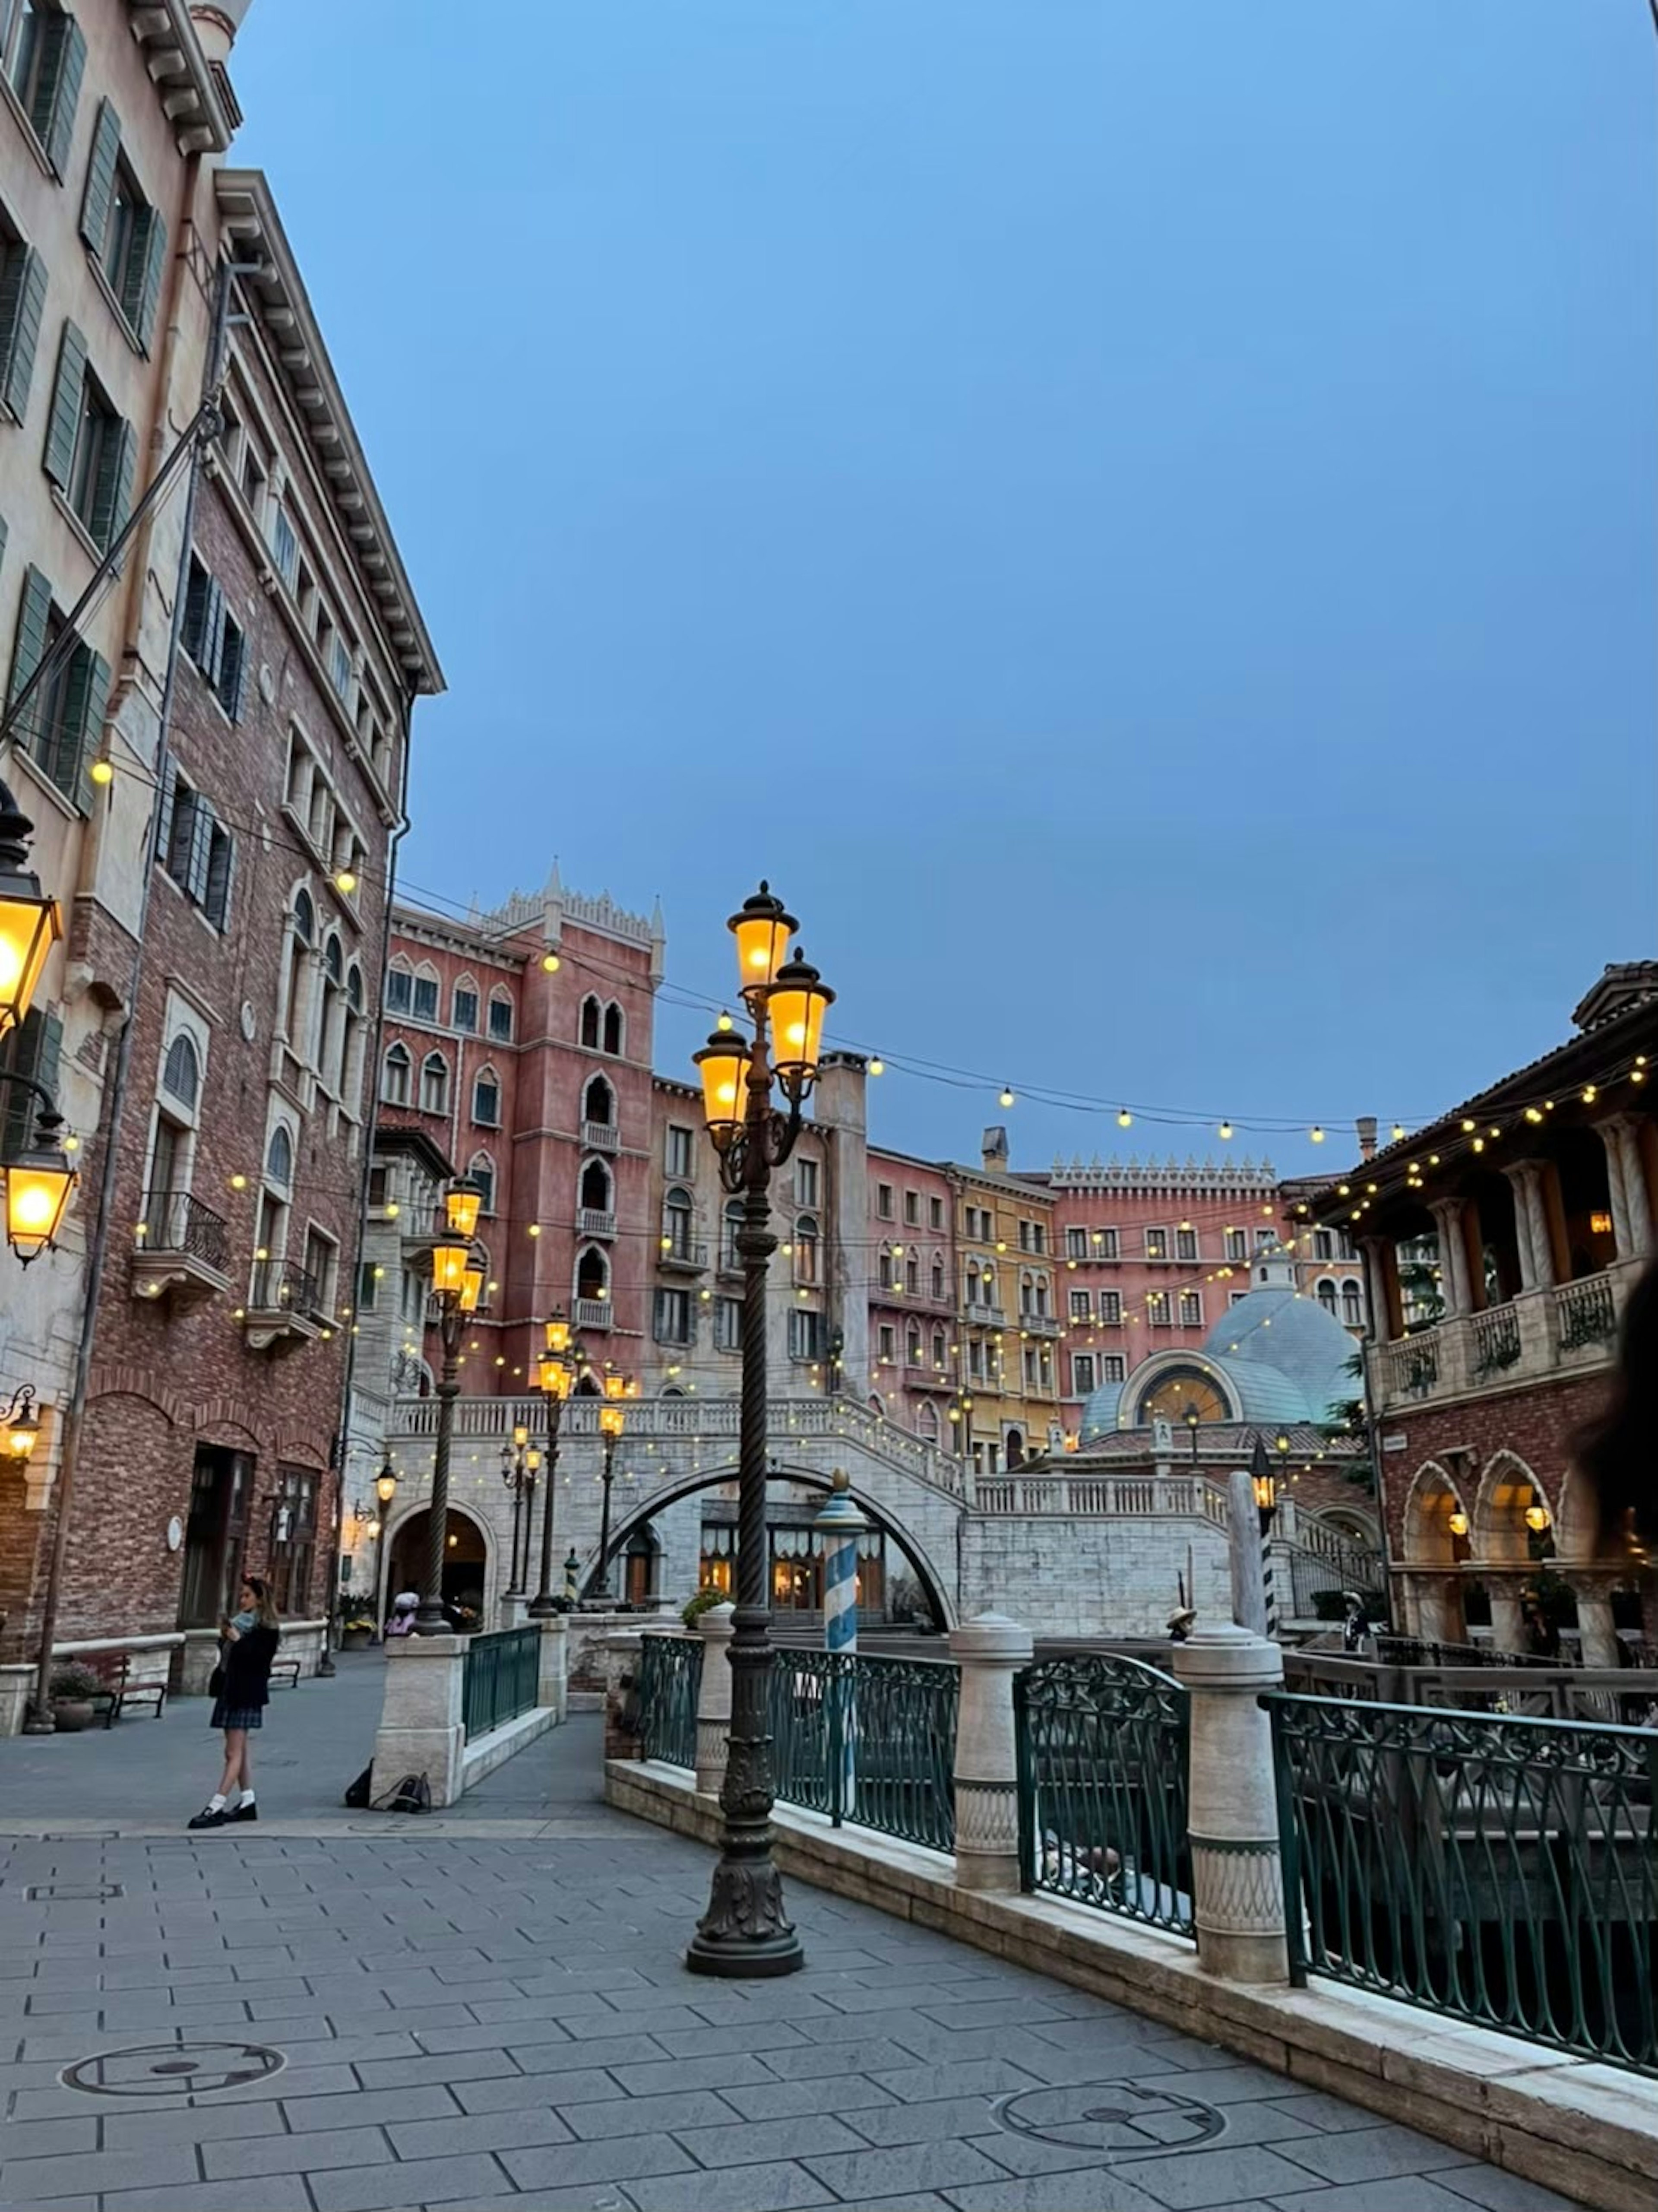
x,y
612,1419
385,1484
556,1368
520,1469
21,1422
38,1182
745,1931
30,924
457,1284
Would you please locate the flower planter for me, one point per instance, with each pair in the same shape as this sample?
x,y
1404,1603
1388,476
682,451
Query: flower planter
x,y
71,1715
355,1639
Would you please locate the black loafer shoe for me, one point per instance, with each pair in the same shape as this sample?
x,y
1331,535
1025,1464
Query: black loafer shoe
x,y
209,1819
244,1813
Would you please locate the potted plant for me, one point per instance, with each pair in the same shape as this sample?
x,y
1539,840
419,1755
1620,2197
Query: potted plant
x,y
73,1687
705,1600
356,1629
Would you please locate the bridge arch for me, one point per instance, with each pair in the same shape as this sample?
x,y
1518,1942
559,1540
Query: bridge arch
x,y
674,1488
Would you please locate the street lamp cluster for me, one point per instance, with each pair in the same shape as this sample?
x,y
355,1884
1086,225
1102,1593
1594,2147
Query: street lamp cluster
x,y
39,1180
745,1931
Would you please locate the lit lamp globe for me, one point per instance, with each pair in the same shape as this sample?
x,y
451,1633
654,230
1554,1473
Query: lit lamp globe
x,y
558,1335
616,1386
461,1204
23,1432
385,1484
449,1265
611,1420
1266,1491
30,924
797,1003
762,930
552,1375
472,1283
723,1065
38,1187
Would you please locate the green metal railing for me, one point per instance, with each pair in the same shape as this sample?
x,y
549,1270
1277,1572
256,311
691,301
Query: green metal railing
x,y
500,1678
871,1741
1102,1751
1494,1867
669,1675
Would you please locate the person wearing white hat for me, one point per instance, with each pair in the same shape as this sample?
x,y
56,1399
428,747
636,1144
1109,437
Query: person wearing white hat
x,y
405,1606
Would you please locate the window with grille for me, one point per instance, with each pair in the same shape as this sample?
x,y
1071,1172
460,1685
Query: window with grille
x,y
1111,1308
1082,1374
465,1008
1104,1241
1237,1244
1076,1244
1186,1243
294,1539
500,1020
1114,1367
1157,1244
486,1102
1080,1309
1191,1309
426,998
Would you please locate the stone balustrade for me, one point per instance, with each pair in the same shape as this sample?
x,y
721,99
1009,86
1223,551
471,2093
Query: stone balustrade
x,y
1571,1328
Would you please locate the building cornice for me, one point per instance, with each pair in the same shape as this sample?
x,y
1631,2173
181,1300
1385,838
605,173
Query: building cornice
x,y
196,103
277,294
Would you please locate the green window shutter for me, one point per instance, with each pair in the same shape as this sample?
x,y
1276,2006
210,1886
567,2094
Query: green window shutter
x,y
142,292
91,736
101,177
180,830
212,650
221,868
201,848
3,540
65,422
164,821
34,1050
111,498
22,297
57,89
32,611
197,585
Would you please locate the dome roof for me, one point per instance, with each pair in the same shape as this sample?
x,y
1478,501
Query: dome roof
x,y
1280,1358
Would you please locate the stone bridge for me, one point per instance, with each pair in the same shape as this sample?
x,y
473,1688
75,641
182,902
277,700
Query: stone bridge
x,y
1068,1550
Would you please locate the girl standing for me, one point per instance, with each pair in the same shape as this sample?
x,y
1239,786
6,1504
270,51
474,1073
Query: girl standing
x,y
248,1644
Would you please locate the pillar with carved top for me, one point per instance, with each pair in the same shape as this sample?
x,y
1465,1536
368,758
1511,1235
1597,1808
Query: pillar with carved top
x,y
1626,1184
1449,1216
1597,1634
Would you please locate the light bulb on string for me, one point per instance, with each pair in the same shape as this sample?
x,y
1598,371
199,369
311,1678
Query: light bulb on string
x,y
1317,1133
1225,1129
1125,1118
1006,1098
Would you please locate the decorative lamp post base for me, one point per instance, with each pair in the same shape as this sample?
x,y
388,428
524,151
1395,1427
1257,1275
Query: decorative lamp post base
x,y
744,1934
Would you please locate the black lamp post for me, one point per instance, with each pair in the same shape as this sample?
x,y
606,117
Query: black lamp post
x,y
557,1369
745,1931
520,1467
1192,1418
457,1284
611,1420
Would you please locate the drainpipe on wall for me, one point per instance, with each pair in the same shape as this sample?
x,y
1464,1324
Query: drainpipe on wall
x,y
39,1721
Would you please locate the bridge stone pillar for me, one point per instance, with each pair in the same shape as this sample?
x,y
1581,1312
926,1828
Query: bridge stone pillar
x,y
989,1650
1237,1874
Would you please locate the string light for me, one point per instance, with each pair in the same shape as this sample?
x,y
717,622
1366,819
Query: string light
x,y
878,1066
1125,1118
1316,1133
1006,1098
550,963
1225,1129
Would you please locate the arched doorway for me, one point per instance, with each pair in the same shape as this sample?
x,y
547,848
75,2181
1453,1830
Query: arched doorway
x,y
465,1566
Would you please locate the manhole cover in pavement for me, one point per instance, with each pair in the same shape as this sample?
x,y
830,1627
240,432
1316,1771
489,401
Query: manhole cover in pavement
x,y
57,1892
172,2070
1115,2117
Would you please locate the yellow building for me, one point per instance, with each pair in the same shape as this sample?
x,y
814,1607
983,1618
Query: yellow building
x,y
1007,1328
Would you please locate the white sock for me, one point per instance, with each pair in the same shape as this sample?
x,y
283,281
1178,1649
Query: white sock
x,y
216,1802
248,1798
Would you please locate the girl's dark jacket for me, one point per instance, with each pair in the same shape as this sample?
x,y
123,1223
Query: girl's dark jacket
x,y
247,1669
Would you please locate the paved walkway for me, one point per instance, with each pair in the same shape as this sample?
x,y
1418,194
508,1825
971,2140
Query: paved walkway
x,y
490,2009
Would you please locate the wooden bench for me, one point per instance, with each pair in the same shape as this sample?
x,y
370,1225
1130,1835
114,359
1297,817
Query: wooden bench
x,y
123,1691
284,1674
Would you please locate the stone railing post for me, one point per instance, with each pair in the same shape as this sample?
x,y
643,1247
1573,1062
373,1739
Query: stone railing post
x,y
421,1729
514,1605
989,1652
552,1668
713,1698
1238,1874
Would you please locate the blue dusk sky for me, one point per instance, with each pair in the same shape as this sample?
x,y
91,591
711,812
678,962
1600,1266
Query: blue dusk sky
x,y
1136,514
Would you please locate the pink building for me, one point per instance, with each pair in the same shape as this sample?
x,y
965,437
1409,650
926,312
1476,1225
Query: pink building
x,y
909,1258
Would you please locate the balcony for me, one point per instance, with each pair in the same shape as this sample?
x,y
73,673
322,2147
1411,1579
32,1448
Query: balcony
x,y
600,1136
729,1266
988,1317
682,1255
593,1313
282,1311
184,1250
590,1223
1036,1324
1571,1329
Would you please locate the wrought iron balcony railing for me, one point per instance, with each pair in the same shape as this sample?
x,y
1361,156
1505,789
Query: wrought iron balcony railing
x,y
176,1221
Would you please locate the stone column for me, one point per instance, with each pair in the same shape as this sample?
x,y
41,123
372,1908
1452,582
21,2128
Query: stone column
x,y
1448,1215
1597,1638
713,1698
1238,1874
1631,1207
1519,1177
1508,1629
1438,1611
421,1729
552,1671
1382,1289
989,1650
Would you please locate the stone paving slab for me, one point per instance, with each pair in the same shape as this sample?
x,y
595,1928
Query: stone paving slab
x,y
492,2013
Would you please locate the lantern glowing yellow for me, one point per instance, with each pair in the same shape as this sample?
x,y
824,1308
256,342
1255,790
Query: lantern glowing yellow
x,y
763,931
797,1003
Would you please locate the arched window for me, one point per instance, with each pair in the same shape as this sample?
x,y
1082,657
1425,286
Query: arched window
x,y
731,1222
464,1005
354,988
592,1274
939,1348
435,1083
1352,1305
394,1076
279,1158
1027,1293
927,1421
182,1075
938,1277
599,1102
973,1296
482,1172
426,992
304,918
912,1346
399,988
1327,1296
677,1216
590,1022
806,1248
613,1030
333,960
501,1016
486,1098
596,1187
1041,1297
1015,1448
912,1272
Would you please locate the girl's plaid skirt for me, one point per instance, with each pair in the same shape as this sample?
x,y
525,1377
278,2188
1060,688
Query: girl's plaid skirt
x,y
236,1716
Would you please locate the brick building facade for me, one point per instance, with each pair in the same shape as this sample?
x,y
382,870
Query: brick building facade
x,y
214,1403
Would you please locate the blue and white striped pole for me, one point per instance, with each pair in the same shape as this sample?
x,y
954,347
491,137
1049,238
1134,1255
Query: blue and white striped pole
x,y
839,1526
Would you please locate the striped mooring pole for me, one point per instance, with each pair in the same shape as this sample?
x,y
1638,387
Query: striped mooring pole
x,y
840,1524
1264,1483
